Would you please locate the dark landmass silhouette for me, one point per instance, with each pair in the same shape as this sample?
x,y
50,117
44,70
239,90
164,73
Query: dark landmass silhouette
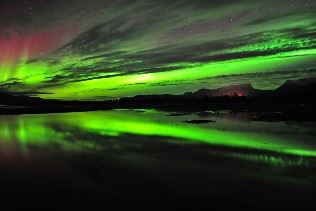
x,y
295,99
299,92
233,91
302,88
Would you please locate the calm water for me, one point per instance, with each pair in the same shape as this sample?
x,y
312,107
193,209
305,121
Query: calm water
x,y
154,154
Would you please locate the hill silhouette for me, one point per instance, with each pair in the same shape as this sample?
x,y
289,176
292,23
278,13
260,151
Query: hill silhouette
x,y
293,101
303,88
292,95
233,91
291,91
11,99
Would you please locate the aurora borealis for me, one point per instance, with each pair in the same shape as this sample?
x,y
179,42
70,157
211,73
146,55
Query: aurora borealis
x,y
104,49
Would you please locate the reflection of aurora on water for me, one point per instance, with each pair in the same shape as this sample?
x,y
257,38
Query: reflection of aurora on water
x,y
98,131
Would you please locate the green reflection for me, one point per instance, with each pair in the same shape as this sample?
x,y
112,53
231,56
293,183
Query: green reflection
x,y
118,123
37,131
92,130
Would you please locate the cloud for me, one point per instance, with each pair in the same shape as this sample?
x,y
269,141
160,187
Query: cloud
x,y
121,40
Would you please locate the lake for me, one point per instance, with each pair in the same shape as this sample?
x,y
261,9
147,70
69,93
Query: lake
x,y
152,156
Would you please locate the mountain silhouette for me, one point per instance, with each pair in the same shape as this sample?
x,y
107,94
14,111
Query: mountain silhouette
x,y
11,99
292,91
232,91
303,88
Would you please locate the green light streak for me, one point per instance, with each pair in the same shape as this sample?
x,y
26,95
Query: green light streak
x,y
42,130
191,71
135,124
146,43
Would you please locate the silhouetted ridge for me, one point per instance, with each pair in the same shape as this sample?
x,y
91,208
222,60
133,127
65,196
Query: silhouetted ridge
x,y
303,88
292,95
233,90
9,99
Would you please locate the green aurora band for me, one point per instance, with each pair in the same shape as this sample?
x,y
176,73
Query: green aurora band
x,y
151,47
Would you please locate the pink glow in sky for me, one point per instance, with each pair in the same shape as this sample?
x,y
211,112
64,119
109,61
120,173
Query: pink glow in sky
x,y
36,44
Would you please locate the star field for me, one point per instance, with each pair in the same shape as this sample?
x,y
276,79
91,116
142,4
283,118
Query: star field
x,y
103,49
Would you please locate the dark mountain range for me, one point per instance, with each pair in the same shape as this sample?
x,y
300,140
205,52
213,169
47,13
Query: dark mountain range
x,y
292,96
232,91
11,99
244,96
303,88
292,88
18,104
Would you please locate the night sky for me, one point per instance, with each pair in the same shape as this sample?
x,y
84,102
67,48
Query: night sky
x,y
104,49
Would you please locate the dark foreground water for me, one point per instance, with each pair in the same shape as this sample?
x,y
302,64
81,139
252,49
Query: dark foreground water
x,y
149,158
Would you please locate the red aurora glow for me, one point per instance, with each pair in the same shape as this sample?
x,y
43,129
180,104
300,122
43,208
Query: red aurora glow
x,y
14,45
